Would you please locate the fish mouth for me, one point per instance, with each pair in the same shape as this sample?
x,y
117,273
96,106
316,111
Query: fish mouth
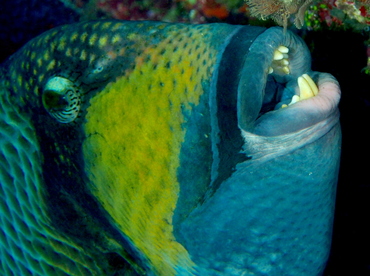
x,y
279,89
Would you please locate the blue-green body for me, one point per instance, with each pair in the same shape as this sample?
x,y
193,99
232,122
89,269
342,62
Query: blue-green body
x,y
148,148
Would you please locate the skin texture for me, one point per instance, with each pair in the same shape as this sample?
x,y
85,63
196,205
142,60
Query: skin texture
x,y
142,148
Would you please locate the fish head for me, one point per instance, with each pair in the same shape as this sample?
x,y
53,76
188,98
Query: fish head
x,y
118,137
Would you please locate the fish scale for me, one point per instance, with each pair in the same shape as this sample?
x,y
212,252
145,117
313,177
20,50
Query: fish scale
x,y
26,237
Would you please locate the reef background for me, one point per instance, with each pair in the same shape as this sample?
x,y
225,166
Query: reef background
x,y
338,35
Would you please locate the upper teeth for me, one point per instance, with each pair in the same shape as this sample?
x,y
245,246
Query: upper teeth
x,y
280,64
283,49
280,61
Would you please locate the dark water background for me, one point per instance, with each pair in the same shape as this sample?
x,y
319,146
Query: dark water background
x,y
341,53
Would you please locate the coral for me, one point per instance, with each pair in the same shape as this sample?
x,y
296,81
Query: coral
x,y
341,15
213,9
350,9
280,10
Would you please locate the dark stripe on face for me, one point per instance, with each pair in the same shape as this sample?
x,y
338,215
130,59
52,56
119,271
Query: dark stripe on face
x,y
231,141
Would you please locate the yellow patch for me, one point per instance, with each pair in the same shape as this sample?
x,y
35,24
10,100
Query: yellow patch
x,y
46,55
26,86
19,80
76,51
106,25
92,58
116,27
83,37
134,136
83,55
41,77
93,39
115,38
51,65
96,25
33,55
103,41
39,62
74,36
68,52
53,45
131,36
62,44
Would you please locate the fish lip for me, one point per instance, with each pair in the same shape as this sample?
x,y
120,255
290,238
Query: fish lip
x,y
311,119
253,88
322,108
255,72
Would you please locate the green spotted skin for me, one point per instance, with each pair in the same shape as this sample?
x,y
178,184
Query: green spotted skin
x,y
37,235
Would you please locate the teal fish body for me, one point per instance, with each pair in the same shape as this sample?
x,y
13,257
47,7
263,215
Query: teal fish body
x,y
150,148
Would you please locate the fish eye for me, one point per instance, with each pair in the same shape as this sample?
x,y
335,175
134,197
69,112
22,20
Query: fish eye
x,y
61,99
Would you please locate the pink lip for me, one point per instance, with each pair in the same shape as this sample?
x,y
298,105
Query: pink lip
x,y
302,114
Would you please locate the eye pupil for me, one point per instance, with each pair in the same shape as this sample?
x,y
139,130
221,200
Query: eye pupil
x,y
54,101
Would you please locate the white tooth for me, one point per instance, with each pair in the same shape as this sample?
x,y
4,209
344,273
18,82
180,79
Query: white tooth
x,y
285,62
305,90
311,83
278,55
286,70
271,70
283,49
295,99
